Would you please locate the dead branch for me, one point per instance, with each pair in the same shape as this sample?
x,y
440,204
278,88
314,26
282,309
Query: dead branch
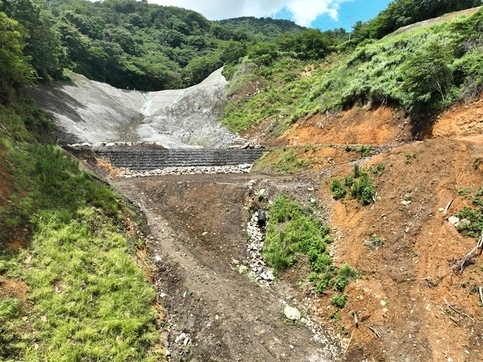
x,y
480,243
454,321
356,320
447,206
8,133
466,259
375,331
349,343
456,310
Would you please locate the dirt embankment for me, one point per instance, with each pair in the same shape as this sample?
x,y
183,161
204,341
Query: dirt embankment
x,y
409,304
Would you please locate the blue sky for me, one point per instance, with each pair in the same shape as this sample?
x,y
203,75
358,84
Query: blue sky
x,y
351,12
322,14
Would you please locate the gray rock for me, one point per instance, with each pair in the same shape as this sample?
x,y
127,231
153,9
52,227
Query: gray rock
x,y
454,220
292,313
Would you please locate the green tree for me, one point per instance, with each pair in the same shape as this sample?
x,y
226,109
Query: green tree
x,y
15,70
231,51
263,52
42,40
309,44
200,68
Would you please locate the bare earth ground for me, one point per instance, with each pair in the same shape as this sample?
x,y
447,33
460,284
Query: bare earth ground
x,y
410,305
197,240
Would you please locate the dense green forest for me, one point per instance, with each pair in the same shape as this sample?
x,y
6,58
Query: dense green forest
x,y
135,44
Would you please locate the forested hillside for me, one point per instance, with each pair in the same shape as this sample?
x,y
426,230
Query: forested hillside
x,y
135,44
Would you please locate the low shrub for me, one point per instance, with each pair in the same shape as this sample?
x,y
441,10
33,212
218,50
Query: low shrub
x,y
338,191
360,187
339,300
292,233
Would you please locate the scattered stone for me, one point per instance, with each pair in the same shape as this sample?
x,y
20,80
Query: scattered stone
x,y
180,338
256,235
267,275
405,202
191,170
292,313
454,220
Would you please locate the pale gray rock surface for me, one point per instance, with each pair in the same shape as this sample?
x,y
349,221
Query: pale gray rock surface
x,y
87,111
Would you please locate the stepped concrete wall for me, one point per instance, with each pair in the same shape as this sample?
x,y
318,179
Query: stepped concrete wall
x,y
148,160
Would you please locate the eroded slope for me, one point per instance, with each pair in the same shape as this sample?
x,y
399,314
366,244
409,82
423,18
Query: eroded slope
x,y
410,303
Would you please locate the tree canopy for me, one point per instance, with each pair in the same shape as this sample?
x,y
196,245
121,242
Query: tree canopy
x,y
15,69
135,44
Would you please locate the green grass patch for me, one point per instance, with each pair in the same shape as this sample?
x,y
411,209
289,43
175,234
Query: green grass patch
x,y
90,299
473,214
282,161
293,233
87,299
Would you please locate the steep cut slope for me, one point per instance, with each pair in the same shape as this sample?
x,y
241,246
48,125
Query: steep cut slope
x,y
410,303
93,112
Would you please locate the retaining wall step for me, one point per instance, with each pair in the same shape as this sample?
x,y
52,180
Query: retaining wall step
x,y
147,160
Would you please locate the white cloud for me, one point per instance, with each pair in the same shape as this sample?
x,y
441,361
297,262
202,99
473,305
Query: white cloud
x,y
304,12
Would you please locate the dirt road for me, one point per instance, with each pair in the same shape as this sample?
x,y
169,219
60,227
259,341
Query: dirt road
x,y
198,238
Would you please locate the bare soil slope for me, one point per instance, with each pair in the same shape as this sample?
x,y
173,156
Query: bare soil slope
x,y
408,304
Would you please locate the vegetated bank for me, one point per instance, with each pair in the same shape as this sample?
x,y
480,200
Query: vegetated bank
x,y
71,285
422,70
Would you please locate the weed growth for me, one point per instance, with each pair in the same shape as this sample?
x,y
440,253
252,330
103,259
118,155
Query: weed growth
x,y
293,233
360,187
473,214
283,161
339,300
374,242
410,157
